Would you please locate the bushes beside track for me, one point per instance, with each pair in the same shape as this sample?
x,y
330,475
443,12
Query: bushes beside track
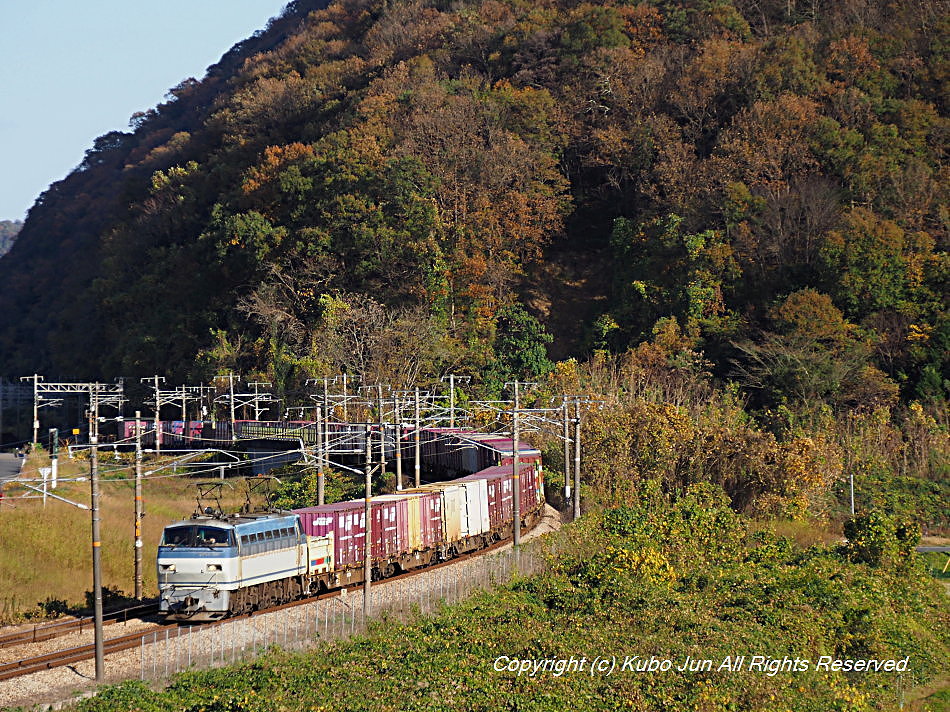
x,y
667,578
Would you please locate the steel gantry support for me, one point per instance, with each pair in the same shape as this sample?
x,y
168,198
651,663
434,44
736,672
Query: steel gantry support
x,y
106,394
156,388
452,380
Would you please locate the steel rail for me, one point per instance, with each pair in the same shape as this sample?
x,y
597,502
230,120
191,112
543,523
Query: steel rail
x,y
70,656
49,631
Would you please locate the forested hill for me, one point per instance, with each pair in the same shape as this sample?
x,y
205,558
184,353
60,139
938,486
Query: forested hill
x,y
395,187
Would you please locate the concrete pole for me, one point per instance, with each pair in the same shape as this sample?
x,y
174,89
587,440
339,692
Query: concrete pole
x,y
516,478
158,422
577,460
36,410
96,538
382,433
566,435
368,513
417,443
326,435
233,418
320,456
138,505
396,405
184,414
451,400
346,417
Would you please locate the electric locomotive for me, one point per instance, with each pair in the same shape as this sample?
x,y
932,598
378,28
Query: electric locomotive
x,y
211,566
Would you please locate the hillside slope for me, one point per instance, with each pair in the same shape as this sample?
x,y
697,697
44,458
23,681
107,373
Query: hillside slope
x,y
381,187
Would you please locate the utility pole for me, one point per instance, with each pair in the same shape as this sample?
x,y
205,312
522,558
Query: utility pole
x,y
231,402
368,529
158,407
451,400
326,438
577,460
320,455
417,442
138,505
566,436
36,406
257,398
398,416
382,432
453,380
516,476
96,539
346,417
184,416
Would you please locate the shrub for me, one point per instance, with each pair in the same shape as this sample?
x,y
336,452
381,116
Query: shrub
x,y
877,539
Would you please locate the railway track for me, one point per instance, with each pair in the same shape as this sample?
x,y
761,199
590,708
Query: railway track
x,y
70,656
49,631
60,658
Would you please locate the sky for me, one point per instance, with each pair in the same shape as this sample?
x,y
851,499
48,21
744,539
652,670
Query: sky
x,y
71,71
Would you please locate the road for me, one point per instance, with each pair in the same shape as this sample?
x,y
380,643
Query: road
x,y
9,466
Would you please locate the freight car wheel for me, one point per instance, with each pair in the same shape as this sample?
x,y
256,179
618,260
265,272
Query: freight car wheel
x,y
389,570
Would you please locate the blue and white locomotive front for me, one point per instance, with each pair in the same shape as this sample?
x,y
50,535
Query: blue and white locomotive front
x,y
198,569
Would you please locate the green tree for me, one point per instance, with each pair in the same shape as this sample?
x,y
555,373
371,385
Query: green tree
x,y
520,347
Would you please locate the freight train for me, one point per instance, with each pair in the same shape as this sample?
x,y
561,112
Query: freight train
x,y
213,565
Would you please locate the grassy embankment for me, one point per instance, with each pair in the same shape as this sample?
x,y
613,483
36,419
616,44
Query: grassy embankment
x,y
45,553
662,579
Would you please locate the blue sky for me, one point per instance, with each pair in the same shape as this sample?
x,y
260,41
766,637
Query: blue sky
x,y
73,70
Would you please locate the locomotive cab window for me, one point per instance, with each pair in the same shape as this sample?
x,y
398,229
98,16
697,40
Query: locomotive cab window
x,y
177,536
213,536
192,536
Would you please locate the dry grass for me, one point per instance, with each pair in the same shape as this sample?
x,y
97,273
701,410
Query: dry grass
x,y
46,553
804,534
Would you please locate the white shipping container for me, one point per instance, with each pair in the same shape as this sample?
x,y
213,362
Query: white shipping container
x,y
454,518
476,500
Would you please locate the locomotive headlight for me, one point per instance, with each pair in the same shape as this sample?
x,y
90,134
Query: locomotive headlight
x,y
213,567
168,568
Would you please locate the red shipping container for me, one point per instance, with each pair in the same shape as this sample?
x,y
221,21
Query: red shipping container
x,y
430,519
504,452
390,527
346,520
528,476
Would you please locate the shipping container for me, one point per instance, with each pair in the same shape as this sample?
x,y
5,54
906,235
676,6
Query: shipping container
x,y
430,519
346,520
498,485
391,525
530,478
453,509
476,501
503,452
413,525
